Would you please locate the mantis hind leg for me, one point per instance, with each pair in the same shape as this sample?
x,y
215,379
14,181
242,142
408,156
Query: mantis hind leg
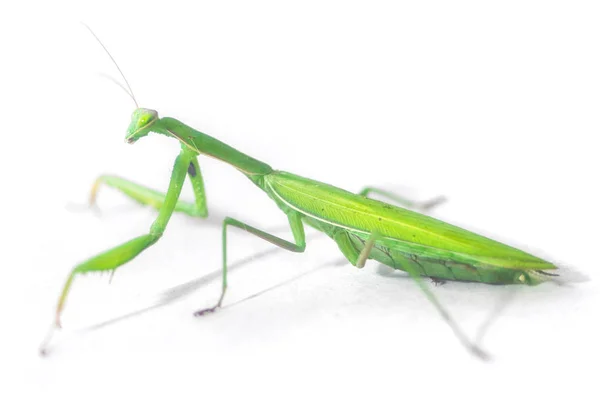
x,y
154,198
298,246
462,337
403,201
358,257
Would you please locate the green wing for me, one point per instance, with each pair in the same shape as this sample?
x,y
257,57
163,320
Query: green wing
x,y
400,228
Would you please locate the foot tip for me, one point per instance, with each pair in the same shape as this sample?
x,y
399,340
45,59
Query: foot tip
x,y
479,353
43,352
428,205
204,311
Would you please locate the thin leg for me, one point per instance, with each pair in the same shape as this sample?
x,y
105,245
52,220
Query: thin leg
x,y
472,347
366,251
110,260
154,198
423,206
356,258
299,246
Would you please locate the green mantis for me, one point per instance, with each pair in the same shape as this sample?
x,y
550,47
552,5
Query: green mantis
x,y
363,228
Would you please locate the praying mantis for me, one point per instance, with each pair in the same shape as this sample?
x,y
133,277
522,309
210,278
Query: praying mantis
x,y
363,228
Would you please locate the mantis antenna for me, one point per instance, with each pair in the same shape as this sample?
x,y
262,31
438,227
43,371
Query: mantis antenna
x,y
130,91
119,84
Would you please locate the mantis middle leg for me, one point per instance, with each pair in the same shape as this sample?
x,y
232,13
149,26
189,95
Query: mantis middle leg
x,y
298,246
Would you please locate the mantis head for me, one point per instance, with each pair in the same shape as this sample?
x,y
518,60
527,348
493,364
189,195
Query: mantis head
x,y
142,120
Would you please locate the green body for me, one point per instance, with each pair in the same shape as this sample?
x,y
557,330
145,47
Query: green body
x,y
434,248
363,228
406,238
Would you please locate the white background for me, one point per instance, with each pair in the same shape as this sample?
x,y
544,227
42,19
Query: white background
x,y
494,106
